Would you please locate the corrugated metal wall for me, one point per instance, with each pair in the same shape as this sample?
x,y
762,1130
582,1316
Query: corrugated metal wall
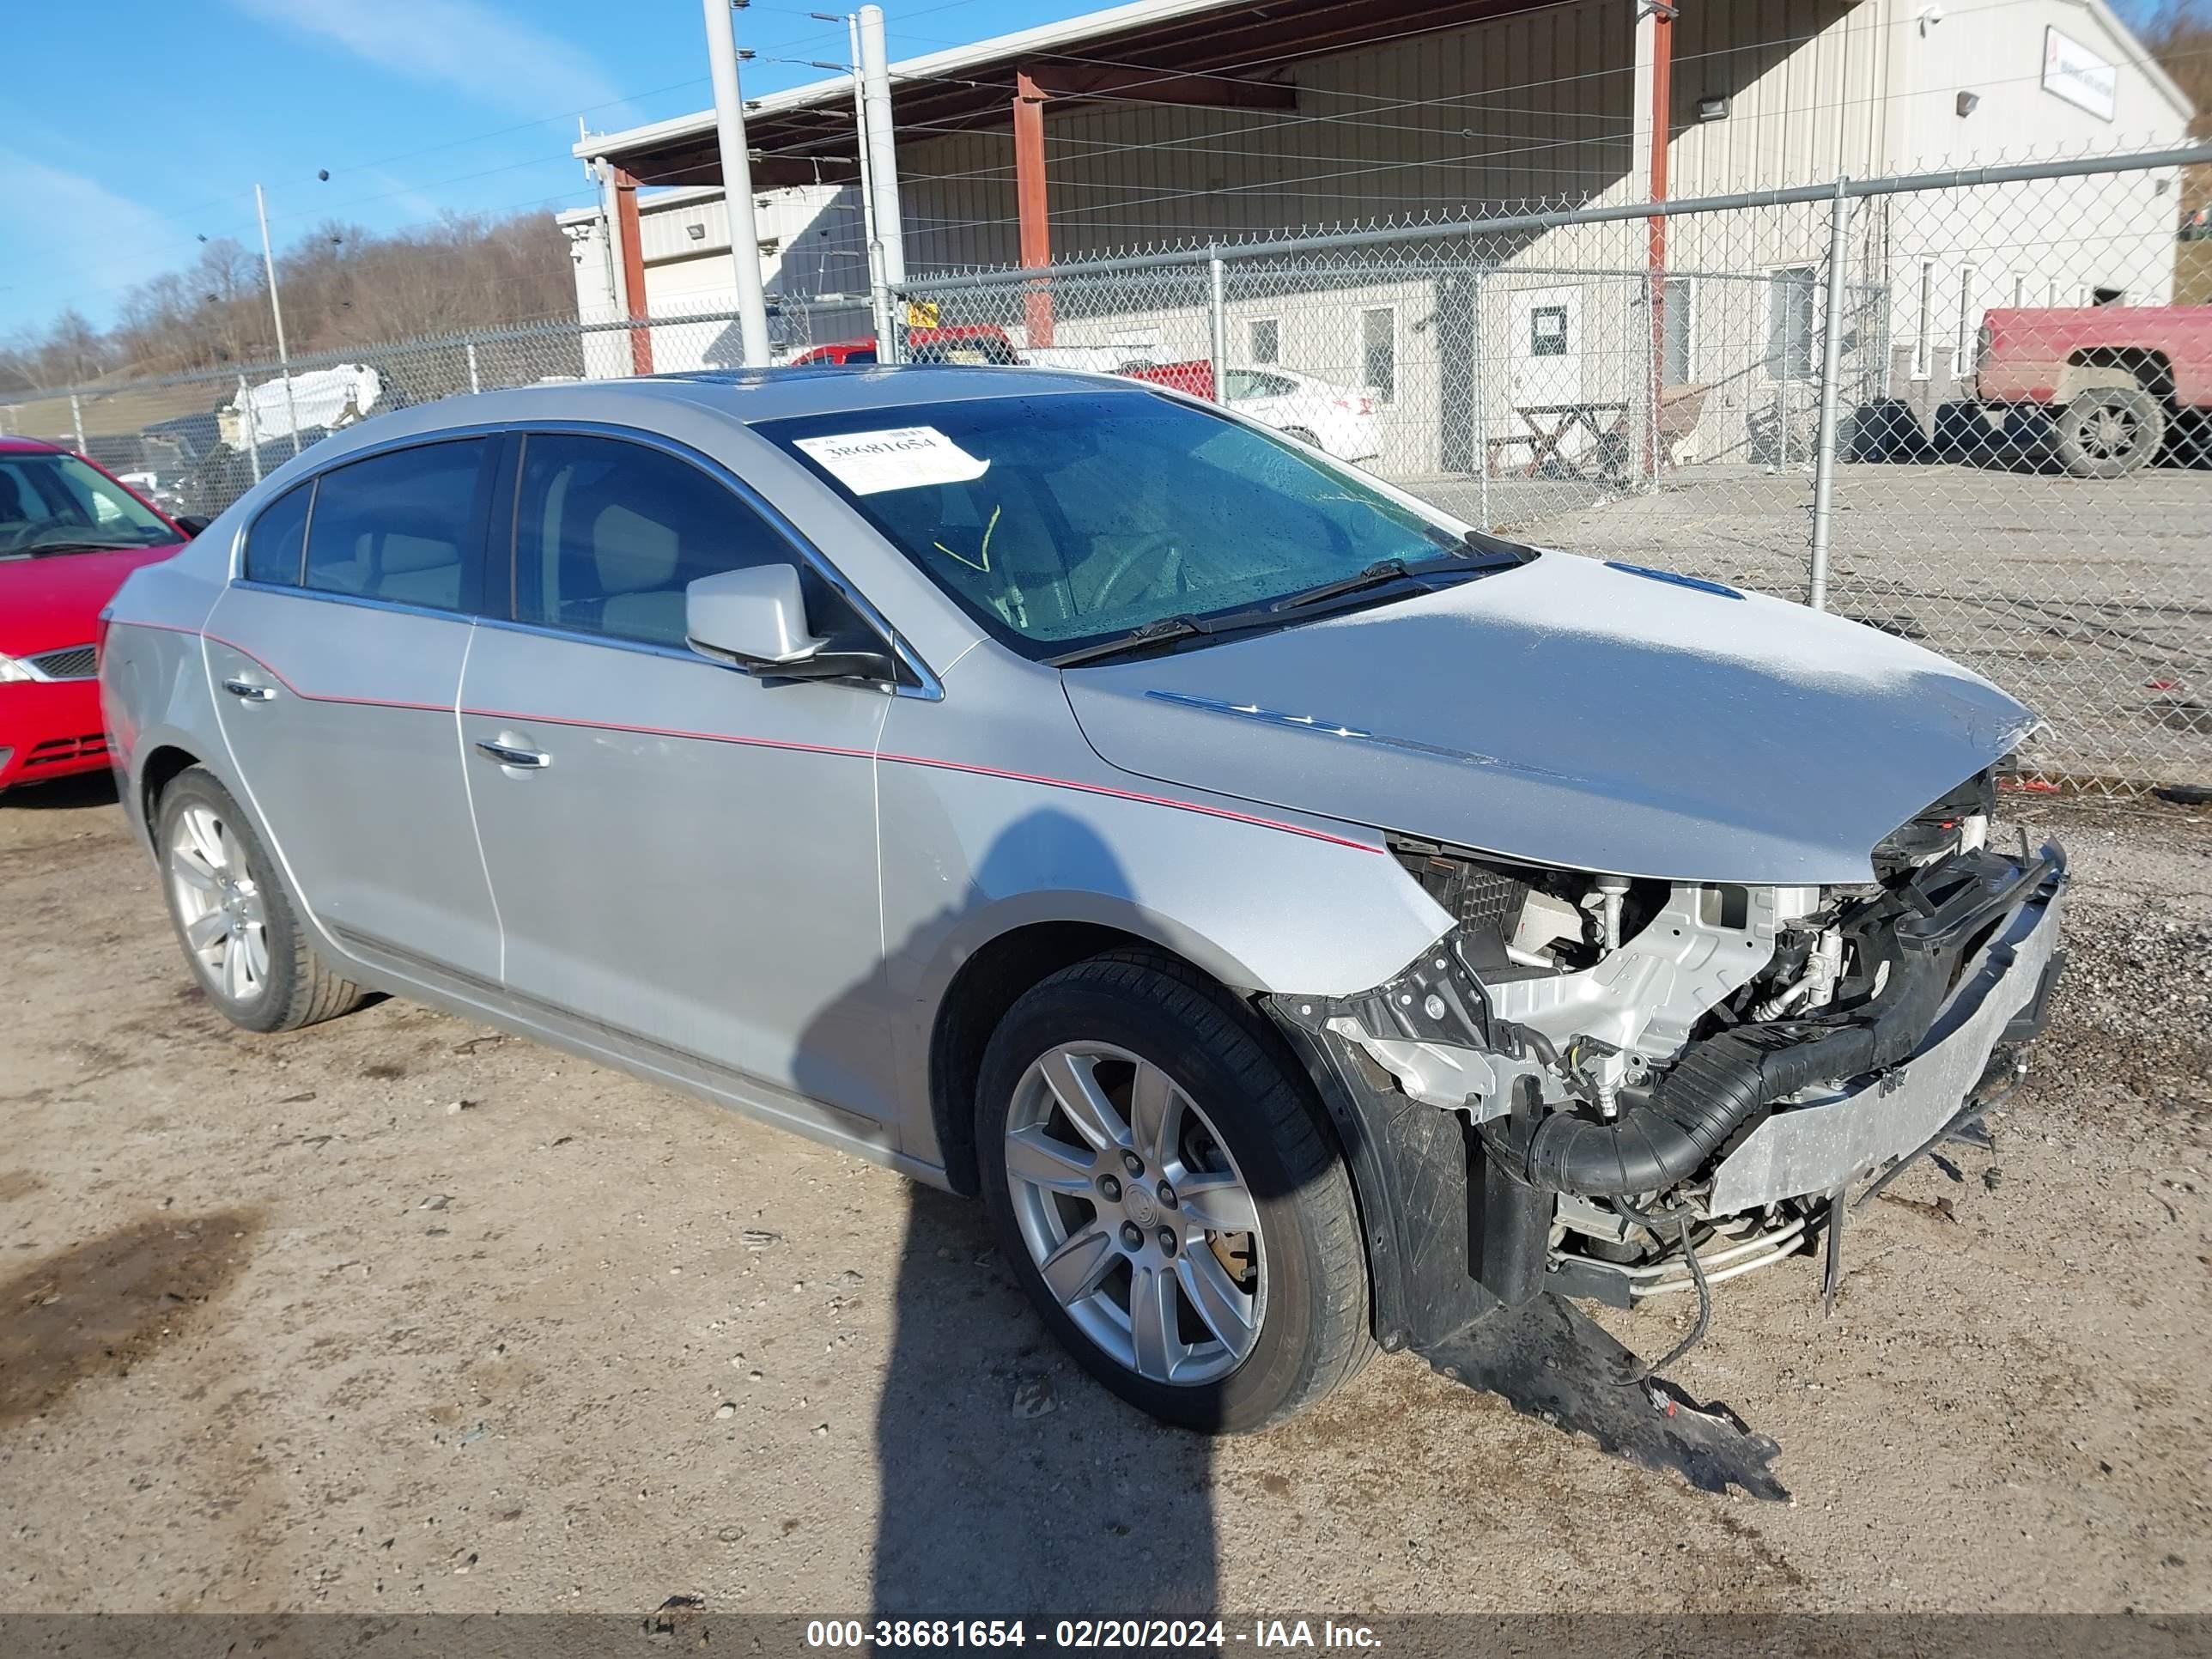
x,y
1537,105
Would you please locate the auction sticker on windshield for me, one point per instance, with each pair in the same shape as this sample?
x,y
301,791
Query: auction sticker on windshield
x,y
899,458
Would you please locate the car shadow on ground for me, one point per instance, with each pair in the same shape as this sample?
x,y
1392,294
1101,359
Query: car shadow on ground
x,y
1011,1484
85,790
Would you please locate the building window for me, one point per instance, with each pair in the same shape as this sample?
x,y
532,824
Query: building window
x,y
1924,330
1970,320
1378,352
1790,323
1265,335
1678,361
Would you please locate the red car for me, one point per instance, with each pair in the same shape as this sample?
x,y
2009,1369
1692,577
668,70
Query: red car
x,y
956,343
68,535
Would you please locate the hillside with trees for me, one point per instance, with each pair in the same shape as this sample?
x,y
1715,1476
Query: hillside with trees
x,y
343,287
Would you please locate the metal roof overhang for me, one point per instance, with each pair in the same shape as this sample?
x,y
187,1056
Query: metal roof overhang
x,y
1221,54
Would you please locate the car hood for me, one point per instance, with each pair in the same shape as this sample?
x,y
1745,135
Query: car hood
x,y
1598,716
52,602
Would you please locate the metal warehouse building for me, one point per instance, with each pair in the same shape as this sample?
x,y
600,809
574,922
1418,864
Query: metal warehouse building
x,y
1173,123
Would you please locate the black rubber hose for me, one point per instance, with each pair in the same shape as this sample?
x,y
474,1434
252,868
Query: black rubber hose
x,y
1717,1087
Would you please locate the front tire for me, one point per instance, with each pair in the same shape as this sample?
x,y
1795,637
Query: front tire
x,y
2109,431
240,929
1168,1196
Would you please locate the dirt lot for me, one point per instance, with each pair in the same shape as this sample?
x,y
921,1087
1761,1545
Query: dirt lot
x,y
396,1315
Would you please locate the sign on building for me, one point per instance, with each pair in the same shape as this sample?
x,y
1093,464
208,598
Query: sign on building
x,y
2072,71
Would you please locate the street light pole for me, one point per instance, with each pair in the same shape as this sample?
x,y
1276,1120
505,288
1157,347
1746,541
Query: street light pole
x,y
277,312
736,183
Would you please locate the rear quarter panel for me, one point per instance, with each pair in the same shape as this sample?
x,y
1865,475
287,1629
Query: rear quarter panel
x,y
154,690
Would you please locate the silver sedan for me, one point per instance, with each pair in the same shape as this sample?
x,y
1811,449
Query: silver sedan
x,y
1308,922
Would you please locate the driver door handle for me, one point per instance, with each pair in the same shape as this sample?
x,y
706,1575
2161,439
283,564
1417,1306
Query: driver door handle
x,y
508,754
250,691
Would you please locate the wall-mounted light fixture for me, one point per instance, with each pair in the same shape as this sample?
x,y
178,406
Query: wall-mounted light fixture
x,y
1712,109
1968,103
697,232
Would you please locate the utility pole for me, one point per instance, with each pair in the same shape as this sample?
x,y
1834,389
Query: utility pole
x,y
887,272
736,183
879,299
277,312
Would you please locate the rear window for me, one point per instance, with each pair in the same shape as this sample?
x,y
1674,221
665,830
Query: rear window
x,y
274,545
403,526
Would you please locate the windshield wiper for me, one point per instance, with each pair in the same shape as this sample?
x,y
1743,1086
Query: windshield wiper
x,y
1165,631
1474,560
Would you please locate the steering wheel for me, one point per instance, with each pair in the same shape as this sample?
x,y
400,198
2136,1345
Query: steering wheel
x,y
1156,548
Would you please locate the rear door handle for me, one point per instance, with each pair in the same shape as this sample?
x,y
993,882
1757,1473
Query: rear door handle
x,y
508,754
250,691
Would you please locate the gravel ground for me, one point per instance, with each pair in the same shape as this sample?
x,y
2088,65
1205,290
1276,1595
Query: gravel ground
x,y
395,1315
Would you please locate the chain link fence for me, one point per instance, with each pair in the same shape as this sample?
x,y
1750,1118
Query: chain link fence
x,y
1964,408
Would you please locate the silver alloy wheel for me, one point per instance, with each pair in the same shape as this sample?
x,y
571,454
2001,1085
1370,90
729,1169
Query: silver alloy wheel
x,y
1135,1213
221,908
2112,433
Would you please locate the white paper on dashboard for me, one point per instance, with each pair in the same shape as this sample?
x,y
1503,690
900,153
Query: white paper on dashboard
x,y
900,457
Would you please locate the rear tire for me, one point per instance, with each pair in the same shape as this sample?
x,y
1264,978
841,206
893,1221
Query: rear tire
x,y
2109,431
235,918
1303,436
1253,1318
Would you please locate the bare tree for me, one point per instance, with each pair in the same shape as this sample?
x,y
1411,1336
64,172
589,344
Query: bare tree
x,y
344,287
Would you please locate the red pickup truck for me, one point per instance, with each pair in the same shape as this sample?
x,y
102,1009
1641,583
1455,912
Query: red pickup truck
x,y
2115,378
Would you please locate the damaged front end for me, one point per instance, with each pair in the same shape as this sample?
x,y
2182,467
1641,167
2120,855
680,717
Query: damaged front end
x,y
1616,1089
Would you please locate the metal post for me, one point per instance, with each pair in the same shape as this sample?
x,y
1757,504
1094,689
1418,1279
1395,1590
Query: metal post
x,y
1655,393
883,155
1824,470
253,443
736,183
1218,332
76,418
1481,404
879,299
277,312
474,383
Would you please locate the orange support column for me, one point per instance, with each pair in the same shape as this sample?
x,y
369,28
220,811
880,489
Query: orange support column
x,y
1030,203
1663,134
632,246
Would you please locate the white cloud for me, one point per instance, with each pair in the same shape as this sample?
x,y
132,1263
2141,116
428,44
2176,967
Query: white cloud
x,y
496,60
73,241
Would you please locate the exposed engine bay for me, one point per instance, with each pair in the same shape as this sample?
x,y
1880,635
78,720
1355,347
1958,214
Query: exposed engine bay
x,y
1679,1080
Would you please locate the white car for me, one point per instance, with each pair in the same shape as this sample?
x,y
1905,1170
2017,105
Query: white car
x,y
1332,418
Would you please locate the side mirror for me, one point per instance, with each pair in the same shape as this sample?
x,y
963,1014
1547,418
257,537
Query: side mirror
x,y
755,618
190,523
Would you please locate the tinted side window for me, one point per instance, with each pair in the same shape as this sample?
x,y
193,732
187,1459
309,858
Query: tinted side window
x,y
401,527
609,534
273,546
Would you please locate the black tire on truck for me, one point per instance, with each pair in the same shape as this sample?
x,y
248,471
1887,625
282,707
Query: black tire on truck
x,y
2109,431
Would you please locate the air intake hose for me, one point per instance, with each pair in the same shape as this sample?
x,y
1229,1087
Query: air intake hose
x,y
1717,1087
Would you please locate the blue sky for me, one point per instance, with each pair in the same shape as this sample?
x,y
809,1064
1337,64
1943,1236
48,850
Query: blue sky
x,y
131,132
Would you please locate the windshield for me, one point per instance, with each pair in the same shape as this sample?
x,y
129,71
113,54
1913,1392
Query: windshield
x,y
1058,520
57,504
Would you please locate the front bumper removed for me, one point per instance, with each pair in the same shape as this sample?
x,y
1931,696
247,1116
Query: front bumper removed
x,y
1465,1266
1819,1145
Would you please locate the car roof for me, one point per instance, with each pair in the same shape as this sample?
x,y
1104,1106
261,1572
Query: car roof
x,y
30,445
743,395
